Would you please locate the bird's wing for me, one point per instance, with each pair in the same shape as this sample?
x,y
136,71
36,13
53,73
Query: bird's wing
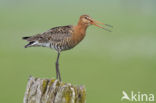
x,y
54,35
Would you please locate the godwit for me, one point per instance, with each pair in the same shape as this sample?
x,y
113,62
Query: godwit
x,y
63,37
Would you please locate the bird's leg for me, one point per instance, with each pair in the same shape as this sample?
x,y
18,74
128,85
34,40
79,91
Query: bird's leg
x,y
58,76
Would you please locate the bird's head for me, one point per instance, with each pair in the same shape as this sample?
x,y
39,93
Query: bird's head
x,y
87,20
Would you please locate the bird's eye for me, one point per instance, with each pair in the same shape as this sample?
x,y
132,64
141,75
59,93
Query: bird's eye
x,y
86,17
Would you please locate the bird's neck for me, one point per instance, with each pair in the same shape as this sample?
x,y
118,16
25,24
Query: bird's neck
x,y
81,27
79,32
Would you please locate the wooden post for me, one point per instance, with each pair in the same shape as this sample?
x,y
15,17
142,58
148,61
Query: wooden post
x,y
53,91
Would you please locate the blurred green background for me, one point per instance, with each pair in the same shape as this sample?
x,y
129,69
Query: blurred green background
x,y
105,62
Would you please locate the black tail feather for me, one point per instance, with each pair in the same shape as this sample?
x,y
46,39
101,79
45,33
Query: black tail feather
x,y
25,38
29,44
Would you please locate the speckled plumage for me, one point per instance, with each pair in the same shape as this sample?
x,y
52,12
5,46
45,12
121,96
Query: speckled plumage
x,y
58,38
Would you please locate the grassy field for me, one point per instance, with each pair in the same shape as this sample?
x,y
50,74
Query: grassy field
x,y
105,62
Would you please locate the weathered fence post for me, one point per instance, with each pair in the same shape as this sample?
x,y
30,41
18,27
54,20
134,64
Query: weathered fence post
x,y
53,91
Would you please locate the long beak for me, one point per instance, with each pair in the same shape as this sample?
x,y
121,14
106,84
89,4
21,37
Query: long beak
x,y
97,22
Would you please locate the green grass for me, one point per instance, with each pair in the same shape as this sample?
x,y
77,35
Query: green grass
x,y
106,63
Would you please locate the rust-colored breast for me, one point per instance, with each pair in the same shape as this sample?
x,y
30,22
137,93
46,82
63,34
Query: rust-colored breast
x,y
78,35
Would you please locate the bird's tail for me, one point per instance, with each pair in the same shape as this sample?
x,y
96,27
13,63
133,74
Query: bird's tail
x,y
25,38
30,42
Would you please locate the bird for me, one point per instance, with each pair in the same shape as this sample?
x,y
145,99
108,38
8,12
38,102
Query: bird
x,y
62,38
